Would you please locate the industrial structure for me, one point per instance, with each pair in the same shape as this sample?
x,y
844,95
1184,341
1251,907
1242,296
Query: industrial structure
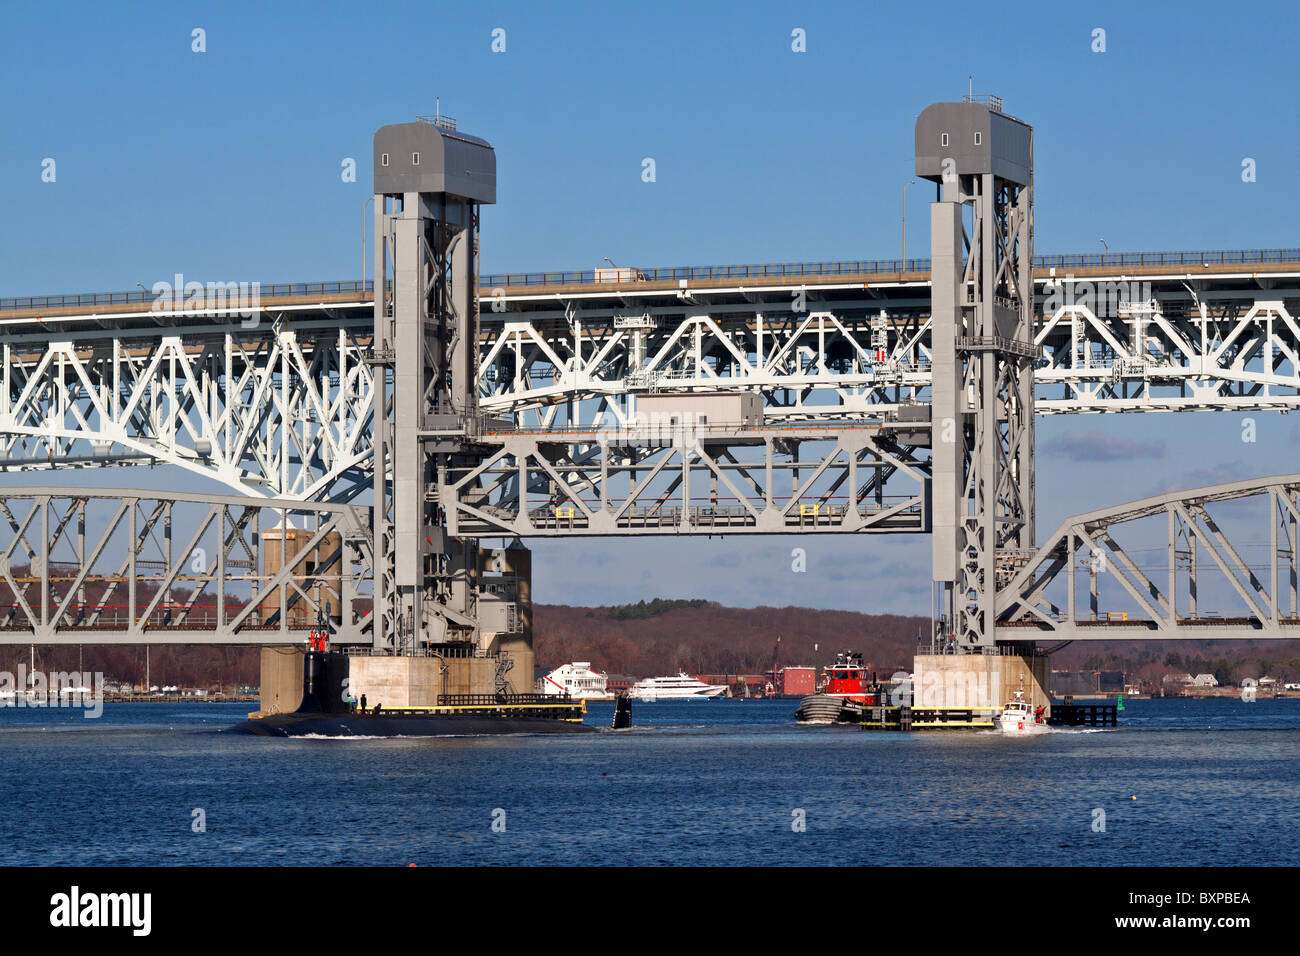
x,y
373,443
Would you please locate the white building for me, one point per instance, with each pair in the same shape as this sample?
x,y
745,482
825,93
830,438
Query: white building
x,y
577,680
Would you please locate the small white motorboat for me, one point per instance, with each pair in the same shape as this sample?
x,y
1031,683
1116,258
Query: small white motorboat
x,y
1017,718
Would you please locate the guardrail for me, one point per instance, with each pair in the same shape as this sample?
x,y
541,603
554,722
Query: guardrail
x,y
505,700
895,266
748,271
269,290
1198,258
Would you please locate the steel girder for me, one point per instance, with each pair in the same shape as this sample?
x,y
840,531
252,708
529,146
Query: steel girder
x,y
1204,546
128,566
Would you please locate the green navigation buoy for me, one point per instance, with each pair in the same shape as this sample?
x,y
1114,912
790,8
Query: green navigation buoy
x,y
1119,702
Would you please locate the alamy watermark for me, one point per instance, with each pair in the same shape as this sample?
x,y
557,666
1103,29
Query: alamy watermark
x,y
1104,299
943,688
677,429
239,298
66,689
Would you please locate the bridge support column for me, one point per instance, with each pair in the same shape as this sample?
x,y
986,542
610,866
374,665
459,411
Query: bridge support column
x,y
429,183
982,306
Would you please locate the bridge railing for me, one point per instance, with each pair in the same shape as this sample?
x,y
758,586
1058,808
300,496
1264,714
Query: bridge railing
x,y
1193,258
1197,258
740,271
268,290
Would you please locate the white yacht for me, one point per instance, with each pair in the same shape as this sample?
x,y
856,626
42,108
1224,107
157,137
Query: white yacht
x,y
1017,717
681,687
577,680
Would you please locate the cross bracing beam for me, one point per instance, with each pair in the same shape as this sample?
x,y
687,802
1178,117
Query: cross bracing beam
x,y
1213,562
125,566
812,477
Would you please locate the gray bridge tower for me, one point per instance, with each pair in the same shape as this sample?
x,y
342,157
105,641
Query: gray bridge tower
x,y
982,303
429,183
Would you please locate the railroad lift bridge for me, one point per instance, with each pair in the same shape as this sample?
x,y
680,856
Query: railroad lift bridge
x,y
371,446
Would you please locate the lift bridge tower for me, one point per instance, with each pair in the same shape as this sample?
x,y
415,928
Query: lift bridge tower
x,y
982,307
429,182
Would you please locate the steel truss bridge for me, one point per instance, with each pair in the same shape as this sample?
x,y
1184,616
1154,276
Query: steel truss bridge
x,y
281,406
1044,598
133,567
277,402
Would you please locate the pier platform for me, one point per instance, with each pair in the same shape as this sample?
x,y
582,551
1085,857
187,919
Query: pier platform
x,y
1084,715
981,718
928,718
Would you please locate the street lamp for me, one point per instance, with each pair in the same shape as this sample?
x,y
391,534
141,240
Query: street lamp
x,y
910,182
1104,246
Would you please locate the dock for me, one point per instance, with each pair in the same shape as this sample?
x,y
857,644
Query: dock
x,y
928,718
981,718
1084,715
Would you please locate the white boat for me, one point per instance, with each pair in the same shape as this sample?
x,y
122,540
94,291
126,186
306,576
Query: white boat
x,y
577,680
1017,718
681,687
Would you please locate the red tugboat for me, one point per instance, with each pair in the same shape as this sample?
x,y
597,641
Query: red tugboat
x,y
846,692
847,680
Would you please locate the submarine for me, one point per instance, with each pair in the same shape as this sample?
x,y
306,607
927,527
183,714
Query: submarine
x,y
325,711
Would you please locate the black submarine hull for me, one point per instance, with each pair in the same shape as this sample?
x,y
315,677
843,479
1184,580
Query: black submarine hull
x,y
325,711
403,725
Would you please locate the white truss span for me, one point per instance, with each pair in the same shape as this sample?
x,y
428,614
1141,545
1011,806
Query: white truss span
x,y
285,408
281,409
1083,583
814,365
835,363
1146,360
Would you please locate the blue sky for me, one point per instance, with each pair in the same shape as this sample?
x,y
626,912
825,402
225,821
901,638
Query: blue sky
x,y
226,165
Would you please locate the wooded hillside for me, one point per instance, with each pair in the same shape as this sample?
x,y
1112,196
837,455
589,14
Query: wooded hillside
x,y
707,638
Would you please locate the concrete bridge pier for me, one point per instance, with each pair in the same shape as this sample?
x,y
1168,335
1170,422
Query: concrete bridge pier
x,y
393,681
980,680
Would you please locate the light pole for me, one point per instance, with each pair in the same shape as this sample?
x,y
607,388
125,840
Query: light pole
x,y
902,265
1104,245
